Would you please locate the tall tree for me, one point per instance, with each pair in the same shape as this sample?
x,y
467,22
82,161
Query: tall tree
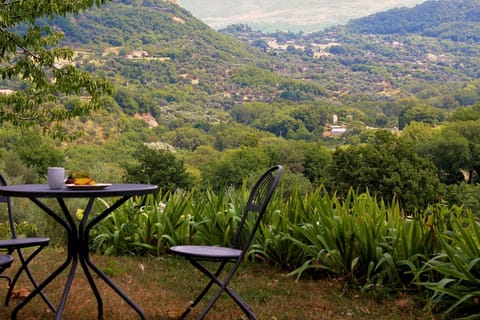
x,y
386,166
40,71
160,167
459,146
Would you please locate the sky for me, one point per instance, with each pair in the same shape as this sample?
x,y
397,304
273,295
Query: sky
x,y
287,15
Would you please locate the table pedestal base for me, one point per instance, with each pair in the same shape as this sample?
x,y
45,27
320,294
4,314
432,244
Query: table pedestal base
x,y
78,250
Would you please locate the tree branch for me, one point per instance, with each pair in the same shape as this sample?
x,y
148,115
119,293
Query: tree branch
x,y
26,50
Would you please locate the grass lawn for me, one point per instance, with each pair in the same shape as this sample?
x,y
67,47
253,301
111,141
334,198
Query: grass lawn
x,y
164,286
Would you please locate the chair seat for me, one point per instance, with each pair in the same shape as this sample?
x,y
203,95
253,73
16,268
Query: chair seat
x,y
23,242
5,260
207,252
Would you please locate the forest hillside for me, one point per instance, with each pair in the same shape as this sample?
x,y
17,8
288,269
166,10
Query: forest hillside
x,y
177,62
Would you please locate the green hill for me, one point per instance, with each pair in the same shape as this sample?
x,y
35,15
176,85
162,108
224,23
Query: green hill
x,y
170,58
157,24
167,63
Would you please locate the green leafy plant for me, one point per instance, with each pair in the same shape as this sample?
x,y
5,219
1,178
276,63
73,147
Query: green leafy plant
x,y
360,237
172,215
271,243
215,218
456,287
326,237
124,230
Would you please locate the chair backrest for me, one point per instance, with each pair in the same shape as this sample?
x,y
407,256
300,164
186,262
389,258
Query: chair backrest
x,y
6,200
257,203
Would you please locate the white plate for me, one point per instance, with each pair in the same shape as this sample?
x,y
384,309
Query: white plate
x,y
98,186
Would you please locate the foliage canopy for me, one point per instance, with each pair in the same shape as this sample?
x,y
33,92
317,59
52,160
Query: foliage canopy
x,y
160,167
40,69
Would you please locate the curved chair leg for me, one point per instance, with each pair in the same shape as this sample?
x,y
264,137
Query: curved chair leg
x,y
224,288
207,287
25,267
7,278
197,300
240,302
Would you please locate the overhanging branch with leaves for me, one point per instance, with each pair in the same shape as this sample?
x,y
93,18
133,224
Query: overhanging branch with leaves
x,y
38,72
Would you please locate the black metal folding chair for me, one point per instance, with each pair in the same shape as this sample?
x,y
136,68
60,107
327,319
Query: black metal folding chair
x,y
5,262
15,244
196,254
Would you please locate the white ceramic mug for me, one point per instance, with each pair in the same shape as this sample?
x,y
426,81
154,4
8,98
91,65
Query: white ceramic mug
x,y
56,177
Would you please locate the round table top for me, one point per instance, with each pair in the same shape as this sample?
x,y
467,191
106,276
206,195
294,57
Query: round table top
x,y
69,191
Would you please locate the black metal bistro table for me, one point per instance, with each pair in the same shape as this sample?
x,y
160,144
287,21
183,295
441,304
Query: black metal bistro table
x,y
78,233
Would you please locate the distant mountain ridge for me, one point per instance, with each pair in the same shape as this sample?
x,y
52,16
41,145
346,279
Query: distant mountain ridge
x,y
432,18
287,15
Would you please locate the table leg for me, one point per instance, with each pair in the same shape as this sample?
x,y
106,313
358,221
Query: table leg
x,y
66,290
73,250
88,274
84,251
84,230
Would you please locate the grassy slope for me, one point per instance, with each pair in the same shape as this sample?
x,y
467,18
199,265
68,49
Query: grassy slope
x,y
163,287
